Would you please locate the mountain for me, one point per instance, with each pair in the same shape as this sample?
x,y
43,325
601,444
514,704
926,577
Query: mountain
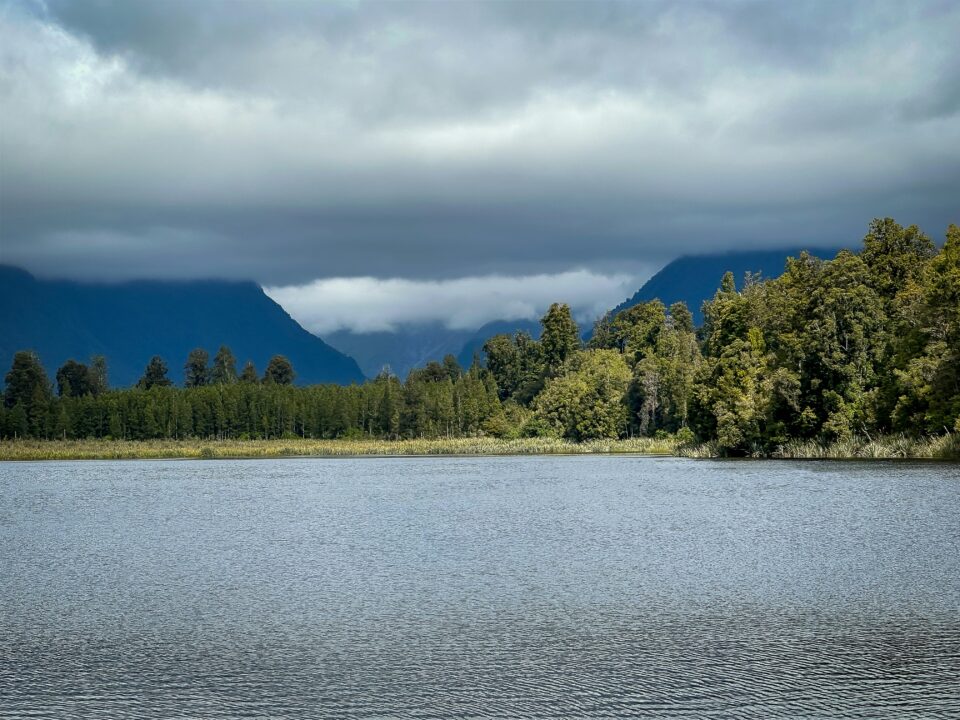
x,y
408,347
411,346
696,278
131,322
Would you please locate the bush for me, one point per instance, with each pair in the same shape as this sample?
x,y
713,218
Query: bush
x,y
538,427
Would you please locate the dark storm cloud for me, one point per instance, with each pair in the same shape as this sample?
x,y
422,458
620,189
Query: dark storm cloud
x,y
294,141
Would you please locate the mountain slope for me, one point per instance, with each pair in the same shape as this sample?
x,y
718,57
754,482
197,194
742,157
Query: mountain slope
x,y
695,278
131,322
408,347
413,346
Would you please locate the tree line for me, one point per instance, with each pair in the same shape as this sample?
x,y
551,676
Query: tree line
x,y
865,343
217,402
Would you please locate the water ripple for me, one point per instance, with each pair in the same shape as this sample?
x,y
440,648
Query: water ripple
x,y
502,588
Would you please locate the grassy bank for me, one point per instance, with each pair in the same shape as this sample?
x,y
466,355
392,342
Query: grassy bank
x,y
886,447
944,447
128,449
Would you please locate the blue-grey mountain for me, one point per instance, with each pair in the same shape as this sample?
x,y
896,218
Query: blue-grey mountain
x,y
130,322
694,279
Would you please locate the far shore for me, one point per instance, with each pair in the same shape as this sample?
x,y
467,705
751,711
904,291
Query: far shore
x,y
890,447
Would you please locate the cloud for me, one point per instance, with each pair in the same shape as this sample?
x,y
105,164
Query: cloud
x,y
291,141
366,304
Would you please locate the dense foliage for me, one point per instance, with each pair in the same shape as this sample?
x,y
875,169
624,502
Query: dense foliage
x,y
864,344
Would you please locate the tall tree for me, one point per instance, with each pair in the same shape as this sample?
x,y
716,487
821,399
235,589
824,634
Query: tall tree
x,y
560,338
681,318
28,393
73,379
155,374
895,255
279,371
98,380
224,367
249,374
26,373
450,364
503,362
929,381
637,329
603,337
196,371
587,400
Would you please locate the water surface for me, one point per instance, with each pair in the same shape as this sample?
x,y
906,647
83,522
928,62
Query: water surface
x,y
550,587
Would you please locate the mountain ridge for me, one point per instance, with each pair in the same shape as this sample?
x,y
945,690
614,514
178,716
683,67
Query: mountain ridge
x,y
693,279
130,322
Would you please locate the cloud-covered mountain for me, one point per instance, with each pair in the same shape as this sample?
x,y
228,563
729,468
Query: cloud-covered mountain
x,y
131,322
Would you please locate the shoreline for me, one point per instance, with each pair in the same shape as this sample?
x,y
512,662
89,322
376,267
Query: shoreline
x,y
41,450
943,448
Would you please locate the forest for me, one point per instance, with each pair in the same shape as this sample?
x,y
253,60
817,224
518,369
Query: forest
x,y
862,345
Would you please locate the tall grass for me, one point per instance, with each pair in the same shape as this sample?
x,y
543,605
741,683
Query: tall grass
x,y
939,447
946,447
152,449
942,447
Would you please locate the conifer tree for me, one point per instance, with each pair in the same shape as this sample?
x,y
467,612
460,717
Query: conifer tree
x,y
560,338
155,374
224,367
249,373
196,371
279,371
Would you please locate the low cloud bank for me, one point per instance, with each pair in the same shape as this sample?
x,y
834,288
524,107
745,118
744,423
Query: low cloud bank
x,y
367,304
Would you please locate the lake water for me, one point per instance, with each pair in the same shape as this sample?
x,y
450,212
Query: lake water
x,y
556,587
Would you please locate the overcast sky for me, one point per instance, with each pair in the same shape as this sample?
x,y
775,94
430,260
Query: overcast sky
x,y
410,151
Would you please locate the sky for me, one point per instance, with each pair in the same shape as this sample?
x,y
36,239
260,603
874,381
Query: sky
x,y
378,163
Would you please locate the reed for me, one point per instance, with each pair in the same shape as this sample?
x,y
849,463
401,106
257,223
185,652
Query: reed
x,y
200,449
939,447
943,447
884,447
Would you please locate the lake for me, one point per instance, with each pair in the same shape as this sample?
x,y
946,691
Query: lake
x,y
526,587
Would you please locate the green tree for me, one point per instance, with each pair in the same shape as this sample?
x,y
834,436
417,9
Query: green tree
x,y
637,329
73,379
603,337
98,380
681,318
28,388
737,395
560,338
929,380
196,371
279,371
224,367
586,401
155,374
17,424
503,362
663,380
895,255
26,373
450,364
249,374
